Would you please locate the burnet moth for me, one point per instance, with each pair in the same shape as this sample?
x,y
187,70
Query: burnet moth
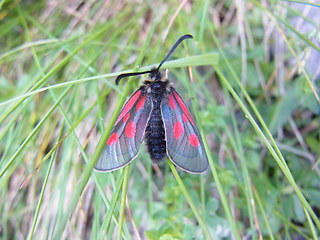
x,y
156,114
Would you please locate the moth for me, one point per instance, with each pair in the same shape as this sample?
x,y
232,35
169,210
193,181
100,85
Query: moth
x,y
156,114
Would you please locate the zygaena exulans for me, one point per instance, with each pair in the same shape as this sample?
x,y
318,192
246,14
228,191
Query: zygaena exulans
x,y
155,113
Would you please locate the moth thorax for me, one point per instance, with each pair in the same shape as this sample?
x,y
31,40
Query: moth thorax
x,y
158,88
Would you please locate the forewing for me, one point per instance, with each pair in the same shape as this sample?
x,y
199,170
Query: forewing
x,y
184,144
127,134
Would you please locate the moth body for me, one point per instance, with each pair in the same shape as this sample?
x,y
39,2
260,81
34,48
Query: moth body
x,y
155,133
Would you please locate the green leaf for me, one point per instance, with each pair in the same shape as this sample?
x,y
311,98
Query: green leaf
x,y
284,108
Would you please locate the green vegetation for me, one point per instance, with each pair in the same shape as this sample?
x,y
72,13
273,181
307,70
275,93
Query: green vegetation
x,y
248,75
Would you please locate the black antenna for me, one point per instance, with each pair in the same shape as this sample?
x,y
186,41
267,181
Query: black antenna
x,y
129,75
158,68
174,48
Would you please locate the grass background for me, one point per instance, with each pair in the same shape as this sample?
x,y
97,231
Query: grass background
x,y
250,75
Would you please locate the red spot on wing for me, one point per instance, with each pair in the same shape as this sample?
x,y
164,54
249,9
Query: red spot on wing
x,y
130,130
172,102
112,139
183,107
129,105
177,130
126,117
185,118
141,102
194,141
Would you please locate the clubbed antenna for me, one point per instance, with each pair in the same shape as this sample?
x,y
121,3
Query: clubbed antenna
x,y
174,48
158,68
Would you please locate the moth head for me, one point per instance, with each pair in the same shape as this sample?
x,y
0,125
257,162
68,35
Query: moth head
x,y
155,75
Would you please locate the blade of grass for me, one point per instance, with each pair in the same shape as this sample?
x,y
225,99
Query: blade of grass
x,y
264,216
211,162
244,168
107,219
33,132
303,2
283,168
28,45
123,200
225,203
222,195
90,165
63,62
204,18
184,190
274,150
301,36
44,185
198,60
294,54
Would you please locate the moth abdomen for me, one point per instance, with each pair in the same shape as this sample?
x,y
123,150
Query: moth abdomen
x,y
155,137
